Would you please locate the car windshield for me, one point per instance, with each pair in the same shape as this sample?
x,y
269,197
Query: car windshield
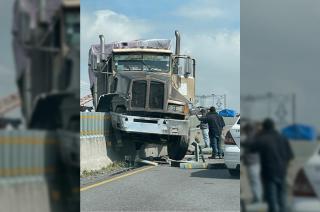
x,y
142,62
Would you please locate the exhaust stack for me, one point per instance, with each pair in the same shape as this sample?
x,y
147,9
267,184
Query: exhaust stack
x,y
177,42
102,57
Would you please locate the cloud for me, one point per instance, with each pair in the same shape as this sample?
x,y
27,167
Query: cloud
x,y
113,25
220,47
202,11
218,63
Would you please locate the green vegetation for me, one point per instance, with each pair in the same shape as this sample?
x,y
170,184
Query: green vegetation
x,y
110,168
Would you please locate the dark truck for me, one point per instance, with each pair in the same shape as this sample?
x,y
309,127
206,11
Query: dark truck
x,y
46,40
46,46
148,90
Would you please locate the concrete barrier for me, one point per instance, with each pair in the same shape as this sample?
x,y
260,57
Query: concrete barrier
x,y
93,151
27,158
39,170
95,141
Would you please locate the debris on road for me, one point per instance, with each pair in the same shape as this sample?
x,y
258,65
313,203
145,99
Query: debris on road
x,y
147,162
194,165
198,152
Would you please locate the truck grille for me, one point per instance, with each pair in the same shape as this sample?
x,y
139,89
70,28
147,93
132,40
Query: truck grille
x,y
156,95
139,91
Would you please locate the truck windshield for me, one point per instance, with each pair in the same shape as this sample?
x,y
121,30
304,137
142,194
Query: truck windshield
x,y
142,62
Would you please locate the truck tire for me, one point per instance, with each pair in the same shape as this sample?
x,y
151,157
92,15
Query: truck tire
x,y
234,172
177,147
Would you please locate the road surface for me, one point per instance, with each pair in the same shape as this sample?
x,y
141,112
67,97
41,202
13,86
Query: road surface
x,y
164,188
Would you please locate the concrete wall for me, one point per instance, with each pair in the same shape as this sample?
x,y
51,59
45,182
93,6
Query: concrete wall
x,y
95,141
27,160
93,153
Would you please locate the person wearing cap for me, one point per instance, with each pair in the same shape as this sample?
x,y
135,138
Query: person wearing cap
x,y
275,154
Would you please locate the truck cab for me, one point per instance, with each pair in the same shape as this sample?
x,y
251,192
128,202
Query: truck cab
x,y
147,88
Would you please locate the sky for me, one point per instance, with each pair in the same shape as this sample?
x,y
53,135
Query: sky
x,y
210,32
280,52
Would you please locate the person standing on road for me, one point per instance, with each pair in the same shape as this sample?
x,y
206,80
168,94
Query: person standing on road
x,y
252,161
275,155
215,125
204,127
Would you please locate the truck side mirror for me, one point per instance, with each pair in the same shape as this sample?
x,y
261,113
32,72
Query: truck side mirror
x,y
175,66
194,67
184,66
188,68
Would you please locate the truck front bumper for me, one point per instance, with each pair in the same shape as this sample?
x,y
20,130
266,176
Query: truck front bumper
x,y
138,124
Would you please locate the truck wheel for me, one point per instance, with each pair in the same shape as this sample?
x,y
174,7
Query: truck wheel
x,y
177,147
234,172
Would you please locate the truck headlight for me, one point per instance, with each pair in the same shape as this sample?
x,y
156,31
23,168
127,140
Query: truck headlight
x,y
176,108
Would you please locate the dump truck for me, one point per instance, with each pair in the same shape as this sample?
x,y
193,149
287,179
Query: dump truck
x,y
46,47
147,89
46,44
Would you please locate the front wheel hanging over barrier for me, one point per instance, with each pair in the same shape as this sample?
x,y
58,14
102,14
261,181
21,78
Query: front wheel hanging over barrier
x,y
177,147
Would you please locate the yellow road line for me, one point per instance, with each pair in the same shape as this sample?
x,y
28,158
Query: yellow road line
x,y
20,171
26,140
115,178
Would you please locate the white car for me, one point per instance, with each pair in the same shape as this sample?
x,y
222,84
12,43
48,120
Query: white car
x,y
306,187
232,149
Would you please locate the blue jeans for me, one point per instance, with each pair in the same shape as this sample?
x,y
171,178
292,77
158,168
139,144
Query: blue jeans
x,y
205,135
215,142
255,182
275,195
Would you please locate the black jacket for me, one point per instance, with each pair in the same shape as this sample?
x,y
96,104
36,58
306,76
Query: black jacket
x,y
275,153
215,123
203,122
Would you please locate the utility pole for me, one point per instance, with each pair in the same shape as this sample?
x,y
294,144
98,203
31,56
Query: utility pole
x,y
294,108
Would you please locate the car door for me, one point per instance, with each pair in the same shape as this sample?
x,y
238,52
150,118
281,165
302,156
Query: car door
x,y
235,132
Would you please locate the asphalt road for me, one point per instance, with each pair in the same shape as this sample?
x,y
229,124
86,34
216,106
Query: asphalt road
x,y
165,188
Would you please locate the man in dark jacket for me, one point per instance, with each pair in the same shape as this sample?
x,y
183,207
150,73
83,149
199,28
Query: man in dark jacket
x,y
275,154
215,125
